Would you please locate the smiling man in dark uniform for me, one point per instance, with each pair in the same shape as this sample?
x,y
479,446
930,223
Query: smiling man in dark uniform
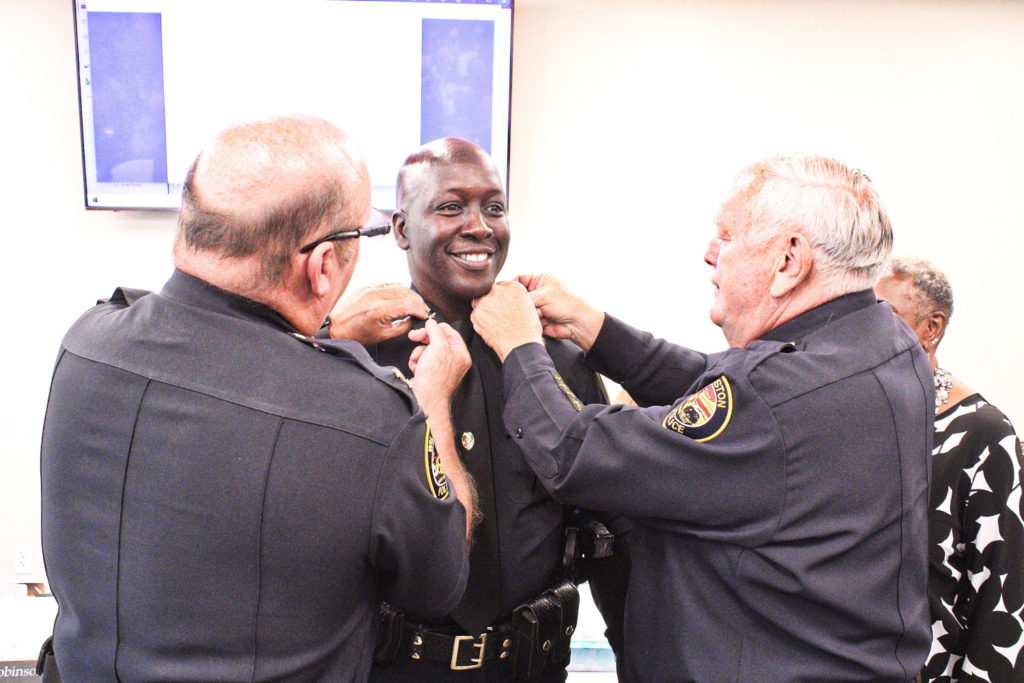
x,y
452,223
778,489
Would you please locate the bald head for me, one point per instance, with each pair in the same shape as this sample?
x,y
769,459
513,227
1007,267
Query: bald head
x,y
420,165
261,188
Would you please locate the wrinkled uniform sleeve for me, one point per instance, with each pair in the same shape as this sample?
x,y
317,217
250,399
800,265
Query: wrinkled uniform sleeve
x,y
419,528
607,577
602,457
653,372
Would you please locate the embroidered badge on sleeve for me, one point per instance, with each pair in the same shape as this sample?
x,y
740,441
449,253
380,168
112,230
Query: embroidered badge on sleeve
x,y
437,481
704,415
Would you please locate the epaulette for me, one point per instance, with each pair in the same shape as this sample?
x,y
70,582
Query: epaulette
x,y
763,350
124,296
352,352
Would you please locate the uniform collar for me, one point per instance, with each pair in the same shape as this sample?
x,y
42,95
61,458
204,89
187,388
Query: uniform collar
x,y
463,327
820,316
190,290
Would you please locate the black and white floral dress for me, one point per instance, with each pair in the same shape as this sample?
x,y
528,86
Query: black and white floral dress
x,y
976,559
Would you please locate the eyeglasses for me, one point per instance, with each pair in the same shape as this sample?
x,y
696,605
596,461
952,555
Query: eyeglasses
x,y
379,224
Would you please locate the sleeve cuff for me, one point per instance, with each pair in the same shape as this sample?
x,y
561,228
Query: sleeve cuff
x,y
606,356
522,362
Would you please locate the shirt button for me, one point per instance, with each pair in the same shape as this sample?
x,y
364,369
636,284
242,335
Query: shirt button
x,y
519,433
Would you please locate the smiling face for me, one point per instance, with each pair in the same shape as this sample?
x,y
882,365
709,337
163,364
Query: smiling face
x,y
454,230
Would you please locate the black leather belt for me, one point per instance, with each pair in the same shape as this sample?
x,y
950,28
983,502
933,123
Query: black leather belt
x,y
537,638
460,652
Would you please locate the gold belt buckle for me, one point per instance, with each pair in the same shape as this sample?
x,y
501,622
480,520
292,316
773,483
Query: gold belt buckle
x,y
475,662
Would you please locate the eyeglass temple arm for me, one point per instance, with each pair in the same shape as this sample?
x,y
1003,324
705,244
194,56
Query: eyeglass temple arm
x,y
374,231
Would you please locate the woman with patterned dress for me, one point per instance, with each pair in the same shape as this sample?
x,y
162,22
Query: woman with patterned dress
x,y
976,559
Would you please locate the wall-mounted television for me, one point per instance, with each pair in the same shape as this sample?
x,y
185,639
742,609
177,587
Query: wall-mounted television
x,y
158,78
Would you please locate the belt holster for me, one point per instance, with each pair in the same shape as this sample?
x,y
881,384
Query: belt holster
x,y
46,664
587,539
390,626
542,631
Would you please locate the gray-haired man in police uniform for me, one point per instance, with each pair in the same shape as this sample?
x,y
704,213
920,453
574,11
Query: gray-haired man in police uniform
x,y
778,489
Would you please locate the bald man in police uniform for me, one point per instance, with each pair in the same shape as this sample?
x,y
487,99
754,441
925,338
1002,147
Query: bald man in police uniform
x,y
778,489
225,498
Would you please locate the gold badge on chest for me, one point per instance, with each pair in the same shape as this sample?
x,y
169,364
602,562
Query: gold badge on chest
x,y
468,440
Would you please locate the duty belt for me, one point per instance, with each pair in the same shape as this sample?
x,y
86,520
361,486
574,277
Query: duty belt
x,y
459,652
537,637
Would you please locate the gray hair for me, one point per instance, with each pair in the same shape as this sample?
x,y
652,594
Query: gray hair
x,y
928,280
835,207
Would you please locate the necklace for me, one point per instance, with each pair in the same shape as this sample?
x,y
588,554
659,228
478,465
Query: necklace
x,y
943,383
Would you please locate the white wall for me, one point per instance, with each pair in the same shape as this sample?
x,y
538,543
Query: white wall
x,y
629,120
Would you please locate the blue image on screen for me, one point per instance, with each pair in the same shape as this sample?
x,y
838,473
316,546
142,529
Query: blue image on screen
x,y
128,97
457,85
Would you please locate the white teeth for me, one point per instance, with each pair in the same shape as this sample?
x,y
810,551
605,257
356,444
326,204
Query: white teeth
x,y
474,258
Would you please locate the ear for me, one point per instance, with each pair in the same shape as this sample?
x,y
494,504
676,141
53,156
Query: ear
x,y
793,267
934,326
398,225
320,267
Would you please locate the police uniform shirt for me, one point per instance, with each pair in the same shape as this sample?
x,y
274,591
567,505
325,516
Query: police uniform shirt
x,y
223,501
779,507
518,544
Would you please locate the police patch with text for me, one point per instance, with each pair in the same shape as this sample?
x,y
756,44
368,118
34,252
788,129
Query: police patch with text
x,y
437,481
704,415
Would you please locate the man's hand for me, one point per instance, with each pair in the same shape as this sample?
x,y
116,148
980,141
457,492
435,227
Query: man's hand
x,y
506,318
376,313
563,315
438,365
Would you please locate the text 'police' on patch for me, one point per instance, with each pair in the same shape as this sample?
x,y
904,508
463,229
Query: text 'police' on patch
x,y
704,415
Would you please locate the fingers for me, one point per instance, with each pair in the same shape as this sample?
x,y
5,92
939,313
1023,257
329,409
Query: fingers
x,y
414,359
440,363
401,302
530,281
430,327
427,342
376,313
390,301
511,288
454,338
458,346
501,285
399,327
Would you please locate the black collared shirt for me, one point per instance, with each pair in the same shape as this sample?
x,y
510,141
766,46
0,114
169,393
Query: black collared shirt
x,y
518,546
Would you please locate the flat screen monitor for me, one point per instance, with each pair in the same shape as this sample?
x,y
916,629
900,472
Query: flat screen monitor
x,y
158,78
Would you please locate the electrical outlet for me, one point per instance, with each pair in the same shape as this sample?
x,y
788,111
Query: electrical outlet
x,y
22,558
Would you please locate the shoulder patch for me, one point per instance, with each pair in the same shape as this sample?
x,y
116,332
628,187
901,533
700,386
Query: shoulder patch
x,y
576,403
704,415
437,481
